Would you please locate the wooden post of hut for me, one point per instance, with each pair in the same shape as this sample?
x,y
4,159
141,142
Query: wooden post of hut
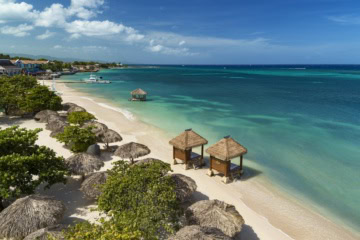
x,y
138,95
221,154
183,145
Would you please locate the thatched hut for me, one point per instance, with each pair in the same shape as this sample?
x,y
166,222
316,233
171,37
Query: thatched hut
x,y
132,151
138,95
183,145
43,234
215,214
91,186
42,116
147,161
56,125
221,154
29,214
83,163
199,233
184,187
110,136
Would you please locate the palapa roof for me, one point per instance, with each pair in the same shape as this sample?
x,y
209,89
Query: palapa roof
x,y
110,136
199,233
215,214
83,163
97,128
43,234
188,139
184,186
42,116
132,150
29,214
90,187
138,91
226,149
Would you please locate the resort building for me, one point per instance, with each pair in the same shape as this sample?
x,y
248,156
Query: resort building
x,y
138,95
30,66
8,68
183,145
221,154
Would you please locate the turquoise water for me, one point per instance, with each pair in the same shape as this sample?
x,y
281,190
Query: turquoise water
x,y
301,126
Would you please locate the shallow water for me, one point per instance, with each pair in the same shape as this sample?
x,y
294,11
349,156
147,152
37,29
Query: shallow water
x,y
301,124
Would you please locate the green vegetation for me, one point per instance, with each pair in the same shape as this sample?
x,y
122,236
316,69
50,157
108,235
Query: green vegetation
x,y
108,230
21,159
56,66
22,94
4,56
78,139
141,199
79,118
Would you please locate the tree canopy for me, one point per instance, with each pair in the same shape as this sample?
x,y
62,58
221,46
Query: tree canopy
x,y
25,165
23,94
79,118
78,139
140,198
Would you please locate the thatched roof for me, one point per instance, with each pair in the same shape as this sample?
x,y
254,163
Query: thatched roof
x,y
138,91
215,214
110,136
226,149
42,116
185,186
76,109
188,139
67,106
56,126
29,214
83,163
199,233
90,187
43,234
132,150
97,128
52,117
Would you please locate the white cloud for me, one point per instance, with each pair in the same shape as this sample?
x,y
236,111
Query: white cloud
x,y
182,43
56,14
18,31
57,46
94,28
2,21
45,35
345,19
85,9
158,48
12,10
94,48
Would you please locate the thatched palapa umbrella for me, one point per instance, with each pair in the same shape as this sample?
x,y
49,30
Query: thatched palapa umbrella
x,y
42,116
76,109
110,136
67,106
147,161
56,126
199,233
97,128
131,151
215,214
29,214
185,186
91,186
83,163
44,233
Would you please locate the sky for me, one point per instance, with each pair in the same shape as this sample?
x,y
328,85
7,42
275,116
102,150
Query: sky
x,y
186,31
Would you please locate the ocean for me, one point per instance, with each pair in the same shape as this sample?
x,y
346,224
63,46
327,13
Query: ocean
x,y
300,124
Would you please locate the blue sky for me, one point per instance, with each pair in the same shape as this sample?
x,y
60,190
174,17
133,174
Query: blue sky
x,y
185,32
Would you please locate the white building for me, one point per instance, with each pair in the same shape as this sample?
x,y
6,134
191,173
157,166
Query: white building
x,y
8,68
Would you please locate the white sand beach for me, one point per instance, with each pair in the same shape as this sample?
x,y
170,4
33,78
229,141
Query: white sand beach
x,y
268,213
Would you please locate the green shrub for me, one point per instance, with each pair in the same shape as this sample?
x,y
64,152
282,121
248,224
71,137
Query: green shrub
x,y
78,139
141,198
21,159
79,118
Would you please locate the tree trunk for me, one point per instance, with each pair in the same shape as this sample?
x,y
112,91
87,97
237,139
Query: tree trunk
x,y
132,160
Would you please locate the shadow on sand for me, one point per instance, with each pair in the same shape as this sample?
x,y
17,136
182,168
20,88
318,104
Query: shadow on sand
x,y
11,121
247,233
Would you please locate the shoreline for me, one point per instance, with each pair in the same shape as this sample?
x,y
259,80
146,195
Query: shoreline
x,y
285,211
268,212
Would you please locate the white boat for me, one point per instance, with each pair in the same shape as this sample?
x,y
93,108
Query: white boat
x,y
94,79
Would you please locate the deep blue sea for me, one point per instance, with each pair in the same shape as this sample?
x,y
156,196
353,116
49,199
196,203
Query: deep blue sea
x,y
301,124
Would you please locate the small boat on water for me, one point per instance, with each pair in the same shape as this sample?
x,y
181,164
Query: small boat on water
x,y
94,79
